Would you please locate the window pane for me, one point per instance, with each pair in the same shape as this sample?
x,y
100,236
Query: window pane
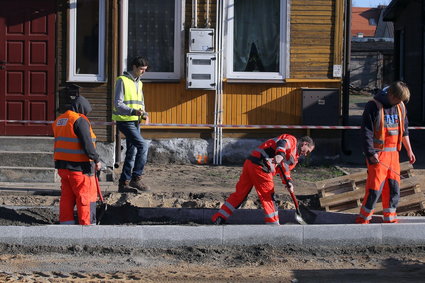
x,y
151,33
256,36
87,53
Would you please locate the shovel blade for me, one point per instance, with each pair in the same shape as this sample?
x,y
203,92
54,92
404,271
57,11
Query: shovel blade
x,y
307,215
100,212
299,219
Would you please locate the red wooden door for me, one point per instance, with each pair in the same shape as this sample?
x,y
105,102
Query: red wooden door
x,y
27,65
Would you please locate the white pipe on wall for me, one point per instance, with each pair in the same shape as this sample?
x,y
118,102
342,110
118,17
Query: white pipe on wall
x,y
207,22
195,13
219,47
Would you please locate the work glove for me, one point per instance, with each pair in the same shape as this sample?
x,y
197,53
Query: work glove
x,y
278,159
271,165
290,186
374,159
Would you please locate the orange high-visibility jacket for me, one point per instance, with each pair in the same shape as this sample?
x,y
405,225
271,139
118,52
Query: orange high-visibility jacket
x,y
272,147
67,145
379,128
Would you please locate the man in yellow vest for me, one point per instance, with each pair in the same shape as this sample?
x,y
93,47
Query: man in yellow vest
x,y
129,109
77,162
384,130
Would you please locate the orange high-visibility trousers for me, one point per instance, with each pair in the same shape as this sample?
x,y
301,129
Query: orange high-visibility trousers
x,y
252,175
80,190
382,181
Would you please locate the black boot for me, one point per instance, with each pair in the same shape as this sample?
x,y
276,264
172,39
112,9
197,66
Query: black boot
x,y
219,221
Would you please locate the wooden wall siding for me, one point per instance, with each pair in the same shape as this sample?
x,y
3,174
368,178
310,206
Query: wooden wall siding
x,y
173,103
265,104
101,102
312,49
312,36
99,94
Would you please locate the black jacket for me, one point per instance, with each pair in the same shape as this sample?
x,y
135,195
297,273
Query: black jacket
x,y
82,130
369,117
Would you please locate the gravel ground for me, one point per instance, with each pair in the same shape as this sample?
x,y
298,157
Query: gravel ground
x,y
199,186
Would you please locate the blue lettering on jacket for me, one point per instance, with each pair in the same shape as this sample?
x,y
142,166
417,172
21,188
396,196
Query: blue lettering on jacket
x,y
391,119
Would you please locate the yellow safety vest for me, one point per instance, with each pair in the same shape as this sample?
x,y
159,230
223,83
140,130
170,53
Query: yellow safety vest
x,y
133,98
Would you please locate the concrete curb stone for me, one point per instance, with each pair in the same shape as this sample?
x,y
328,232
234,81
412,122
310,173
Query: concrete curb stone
x,y
226,235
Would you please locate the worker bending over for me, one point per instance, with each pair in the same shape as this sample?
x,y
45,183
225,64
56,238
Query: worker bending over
x,y
77,162
258,171
384,129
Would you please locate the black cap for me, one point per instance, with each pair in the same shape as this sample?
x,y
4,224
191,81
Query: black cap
x,y
72,90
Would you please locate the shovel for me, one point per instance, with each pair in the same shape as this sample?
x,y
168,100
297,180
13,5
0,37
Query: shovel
x,y
102,207
307,216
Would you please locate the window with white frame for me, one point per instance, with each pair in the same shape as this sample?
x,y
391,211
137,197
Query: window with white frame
x,y
153,29
257,43
86,41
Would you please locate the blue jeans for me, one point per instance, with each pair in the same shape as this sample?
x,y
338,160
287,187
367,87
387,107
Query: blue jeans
x,y
136,155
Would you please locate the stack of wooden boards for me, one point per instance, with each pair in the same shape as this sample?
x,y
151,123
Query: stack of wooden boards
x,y
345,193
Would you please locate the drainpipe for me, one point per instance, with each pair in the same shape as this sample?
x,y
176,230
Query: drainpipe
x,y
423,60
346,80
218,104
194,13
118,147
207,22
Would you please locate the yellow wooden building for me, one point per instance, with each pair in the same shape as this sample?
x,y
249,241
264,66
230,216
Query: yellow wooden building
x,y
263,55
295,44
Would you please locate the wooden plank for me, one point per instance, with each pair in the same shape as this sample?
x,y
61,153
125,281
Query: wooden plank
x,y
347,206
323,13
311,20
348,197
337,189
414,199
311,50
407,187
404,168
301,3
338,41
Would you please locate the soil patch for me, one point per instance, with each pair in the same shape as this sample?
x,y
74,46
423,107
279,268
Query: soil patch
x,y
262,263
198,187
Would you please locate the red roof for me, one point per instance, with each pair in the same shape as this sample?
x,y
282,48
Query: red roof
x,y
361,23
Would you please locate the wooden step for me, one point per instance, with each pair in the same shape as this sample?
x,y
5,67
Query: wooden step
x,y
352,199
348,186
407,203
360,177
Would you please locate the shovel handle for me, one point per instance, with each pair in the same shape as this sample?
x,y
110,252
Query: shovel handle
x,y
294,199
98,187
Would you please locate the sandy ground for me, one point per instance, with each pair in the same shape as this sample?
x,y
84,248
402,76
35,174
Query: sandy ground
x,y
209,264
200,186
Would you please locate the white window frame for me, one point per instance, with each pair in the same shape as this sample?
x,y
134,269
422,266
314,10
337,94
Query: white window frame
x,y
72,37
283,46
178,43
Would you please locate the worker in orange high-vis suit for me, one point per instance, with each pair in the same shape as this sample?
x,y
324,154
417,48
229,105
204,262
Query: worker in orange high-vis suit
x,y
77,162
384,129
258,171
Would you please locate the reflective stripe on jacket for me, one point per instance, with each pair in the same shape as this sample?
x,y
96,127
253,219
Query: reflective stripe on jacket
x,y
380,125
272,147
67,145
133,98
